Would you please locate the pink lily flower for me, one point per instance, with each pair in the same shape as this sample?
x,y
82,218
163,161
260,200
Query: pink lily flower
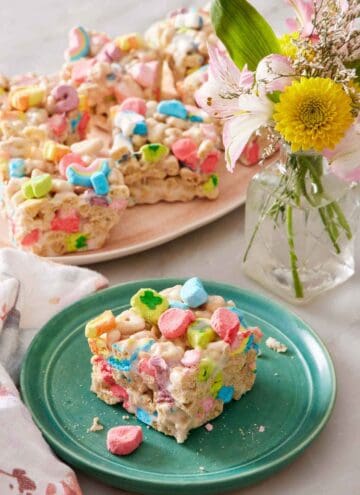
x,y
304,10
344,160
253,112
219,95
274,73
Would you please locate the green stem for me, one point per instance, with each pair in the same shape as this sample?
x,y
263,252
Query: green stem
x,y
298,287
342,220
329,230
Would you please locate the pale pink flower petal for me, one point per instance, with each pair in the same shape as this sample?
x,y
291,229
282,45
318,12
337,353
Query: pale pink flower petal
x,y
219,95
344,160
274,73
254,112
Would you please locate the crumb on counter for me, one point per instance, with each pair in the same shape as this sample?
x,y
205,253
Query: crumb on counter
x,y
209,427
261,428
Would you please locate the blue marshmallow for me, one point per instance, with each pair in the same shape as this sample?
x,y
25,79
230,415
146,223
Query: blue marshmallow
x,y
17,167
173,108
193,293
225,394
100,183
178,304
144,416
140,128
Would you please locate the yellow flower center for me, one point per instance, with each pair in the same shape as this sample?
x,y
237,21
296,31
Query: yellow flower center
x,y
313,113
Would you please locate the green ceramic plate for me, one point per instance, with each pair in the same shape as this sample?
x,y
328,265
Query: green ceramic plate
x,y
292,398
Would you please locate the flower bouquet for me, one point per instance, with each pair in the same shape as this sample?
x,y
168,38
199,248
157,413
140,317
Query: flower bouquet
x,y
302,89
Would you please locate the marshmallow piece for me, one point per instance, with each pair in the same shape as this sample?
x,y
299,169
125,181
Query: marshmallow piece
x,y
58,124
208,166
193,293
17,167
74,242
79,44
239,314
217,384
226,324
225,394
211,184
99,183
53,151
81,176
154,152
69,223
127,42
22,98
119,392
101,324
109,53
80,70
128,122
149,304
31,238
123,440
191,358
173,108
37,187
200,333
177,304
206,369
185,150
69,159
140,128
145,73
66,98
173,323
134,104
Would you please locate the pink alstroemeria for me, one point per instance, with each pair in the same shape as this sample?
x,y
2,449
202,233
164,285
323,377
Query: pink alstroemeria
x,y
274,73
304,10
253,112
344,160
219,95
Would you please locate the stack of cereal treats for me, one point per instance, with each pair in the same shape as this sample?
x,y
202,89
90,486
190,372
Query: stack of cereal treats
x,y
174,358
116,127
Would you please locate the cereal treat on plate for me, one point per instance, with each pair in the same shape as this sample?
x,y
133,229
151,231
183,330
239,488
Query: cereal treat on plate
x,y
167,151
74,210
174,358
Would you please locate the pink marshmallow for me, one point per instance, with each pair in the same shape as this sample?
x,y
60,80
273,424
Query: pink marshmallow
x,y
208,404
145,73
123,440
191,358
174,322
126,88
66,98
109,53
68,160
80,70
210,163
69,223
226,324
134,104
58,123
185,150
119,392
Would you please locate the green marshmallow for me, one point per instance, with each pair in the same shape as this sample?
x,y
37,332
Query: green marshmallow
x,y
200,333
27,190
206,369
154,152
149,304
41,185
217,384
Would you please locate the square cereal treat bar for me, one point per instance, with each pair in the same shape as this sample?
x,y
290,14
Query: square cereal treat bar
x,y
174,358
167,151
53,215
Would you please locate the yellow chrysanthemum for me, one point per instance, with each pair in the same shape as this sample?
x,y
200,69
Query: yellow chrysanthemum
x,y
313,113
287,45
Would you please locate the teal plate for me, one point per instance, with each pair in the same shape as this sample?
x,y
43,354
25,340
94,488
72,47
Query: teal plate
x,y
292,399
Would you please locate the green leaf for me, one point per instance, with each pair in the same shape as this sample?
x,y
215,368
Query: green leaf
x,y
274,96
245,33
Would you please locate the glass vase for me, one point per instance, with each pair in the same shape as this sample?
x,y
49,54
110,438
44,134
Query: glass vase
x,y
300,226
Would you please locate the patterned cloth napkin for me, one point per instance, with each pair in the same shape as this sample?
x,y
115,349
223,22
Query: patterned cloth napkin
x,y
31,292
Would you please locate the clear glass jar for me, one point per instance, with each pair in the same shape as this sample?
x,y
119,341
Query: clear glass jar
x,y
300,225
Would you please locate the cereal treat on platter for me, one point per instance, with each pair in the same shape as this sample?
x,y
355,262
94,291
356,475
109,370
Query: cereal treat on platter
x,y
174,358
71,210
167,151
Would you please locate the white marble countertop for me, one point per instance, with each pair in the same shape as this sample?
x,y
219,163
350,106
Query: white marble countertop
x,y
32,37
